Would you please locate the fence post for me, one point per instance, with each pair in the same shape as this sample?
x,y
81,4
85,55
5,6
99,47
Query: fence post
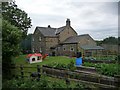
x,y
38,71
22,73
66,78
117,81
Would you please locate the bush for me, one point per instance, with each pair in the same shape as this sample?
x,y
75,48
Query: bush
x,y
43,83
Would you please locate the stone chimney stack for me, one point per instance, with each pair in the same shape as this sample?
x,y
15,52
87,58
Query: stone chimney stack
x,y
49,26
68,22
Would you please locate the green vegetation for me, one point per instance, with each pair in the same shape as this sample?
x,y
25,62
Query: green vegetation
x,y
68,63
110,57
15,23
56,61
50,82
16,16
105,69
49,60
45,82
109,40
11,37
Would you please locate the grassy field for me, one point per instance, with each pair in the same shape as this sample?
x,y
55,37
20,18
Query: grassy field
x,y
51,82
21,60
63,61
49,60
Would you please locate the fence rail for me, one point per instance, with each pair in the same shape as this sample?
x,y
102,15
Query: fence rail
x,y
100,61
79,75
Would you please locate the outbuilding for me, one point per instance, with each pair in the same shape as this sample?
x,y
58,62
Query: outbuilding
x,y
34,58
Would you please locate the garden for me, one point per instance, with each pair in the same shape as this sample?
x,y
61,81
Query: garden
x,y
69,63
53,74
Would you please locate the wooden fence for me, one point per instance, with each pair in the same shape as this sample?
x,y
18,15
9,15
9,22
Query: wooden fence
x,y
100,61
82,74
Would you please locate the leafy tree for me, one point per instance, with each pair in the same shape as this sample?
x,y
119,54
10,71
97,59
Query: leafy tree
x,y
16,16
26,44
11,37
14,28
99,42
110,40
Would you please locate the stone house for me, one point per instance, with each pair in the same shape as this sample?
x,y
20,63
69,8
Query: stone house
x,y
62,41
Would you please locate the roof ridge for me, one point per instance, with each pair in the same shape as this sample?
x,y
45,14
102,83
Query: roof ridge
x,y
82,35
45,27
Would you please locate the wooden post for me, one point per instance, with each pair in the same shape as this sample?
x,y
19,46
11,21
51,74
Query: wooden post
x,y
22,73
38,71
117,81
66,78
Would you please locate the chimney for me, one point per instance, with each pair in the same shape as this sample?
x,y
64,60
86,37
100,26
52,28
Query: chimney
x,y
68,22
49,26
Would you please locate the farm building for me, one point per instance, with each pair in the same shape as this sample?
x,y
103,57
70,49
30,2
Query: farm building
x,y
62,41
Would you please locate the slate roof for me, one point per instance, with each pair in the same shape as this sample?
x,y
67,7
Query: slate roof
x,y
49,31
91,47
58,30
75,39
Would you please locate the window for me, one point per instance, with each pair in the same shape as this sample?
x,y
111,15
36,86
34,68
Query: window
x,y
33,39
38,58
40,39
71,49
64,49
88,39
33,50
33,59
40,50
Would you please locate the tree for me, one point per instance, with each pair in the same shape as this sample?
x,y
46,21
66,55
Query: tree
x,y
16,16
26,44
11,36
99,42
15,24
110,40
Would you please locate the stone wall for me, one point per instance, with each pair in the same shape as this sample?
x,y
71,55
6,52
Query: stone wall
x,y
38,42
68,32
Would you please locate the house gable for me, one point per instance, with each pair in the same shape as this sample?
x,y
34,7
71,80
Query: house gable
x,y
66,32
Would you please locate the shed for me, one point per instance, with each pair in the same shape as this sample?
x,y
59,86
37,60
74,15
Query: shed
x,y
34,58
92,50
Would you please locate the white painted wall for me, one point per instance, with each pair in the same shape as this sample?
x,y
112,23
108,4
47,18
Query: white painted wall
x,y
36,61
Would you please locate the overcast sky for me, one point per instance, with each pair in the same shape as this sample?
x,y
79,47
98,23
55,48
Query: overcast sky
x,y
99,19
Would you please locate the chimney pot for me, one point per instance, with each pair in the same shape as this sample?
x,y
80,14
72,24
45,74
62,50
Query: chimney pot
x,y
49,26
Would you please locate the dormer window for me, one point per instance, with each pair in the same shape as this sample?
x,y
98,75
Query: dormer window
x,y
40,39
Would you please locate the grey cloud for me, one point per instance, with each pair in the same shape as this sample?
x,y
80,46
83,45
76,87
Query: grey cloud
x,y
100,22
40,19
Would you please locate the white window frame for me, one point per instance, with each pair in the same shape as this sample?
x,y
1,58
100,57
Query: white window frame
x,y
33,50
40,38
